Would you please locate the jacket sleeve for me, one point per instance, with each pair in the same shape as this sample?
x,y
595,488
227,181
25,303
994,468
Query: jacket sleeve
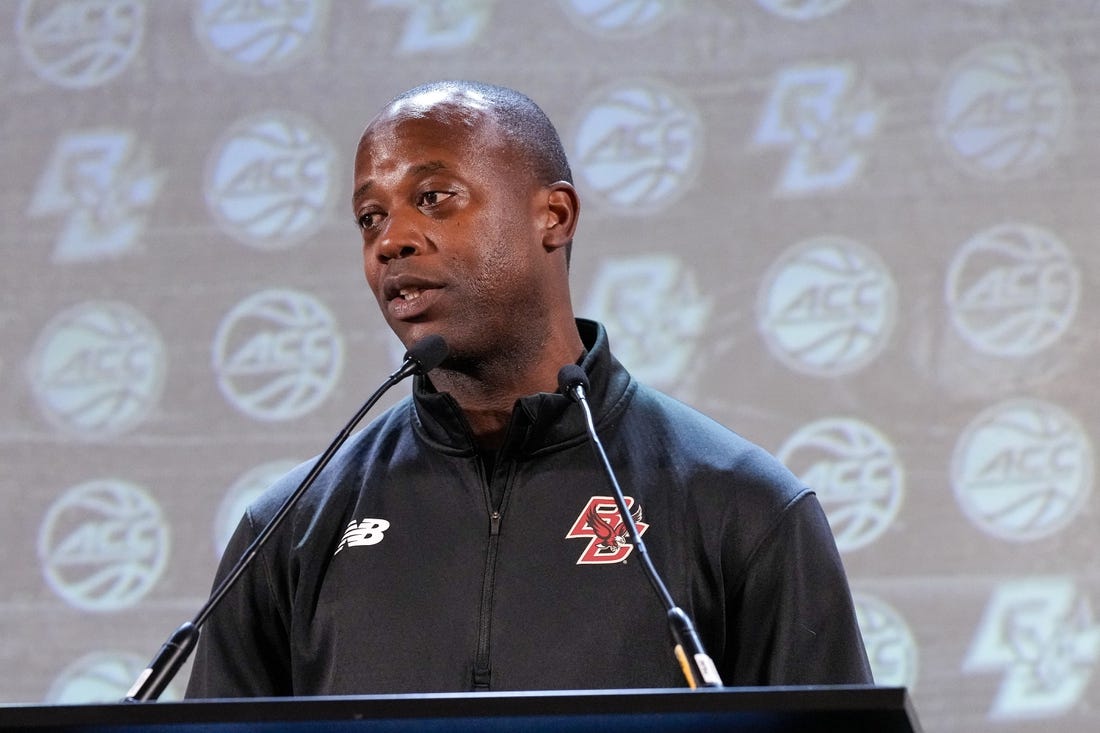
x,y
790,618
243,648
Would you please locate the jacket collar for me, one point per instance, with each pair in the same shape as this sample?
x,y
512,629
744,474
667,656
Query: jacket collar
x,y
541,422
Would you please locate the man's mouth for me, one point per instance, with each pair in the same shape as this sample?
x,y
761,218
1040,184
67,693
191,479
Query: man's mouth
x,y
409,293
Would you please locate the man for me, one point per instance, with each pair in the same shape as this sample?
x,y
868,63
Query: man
x,y
465,540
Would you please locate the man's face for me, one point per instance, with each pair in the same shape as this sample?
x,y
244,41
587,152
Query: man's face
x,y
450,229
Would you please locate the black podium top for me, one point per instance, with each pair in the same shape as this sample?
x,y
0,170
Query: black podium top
x,y
761,710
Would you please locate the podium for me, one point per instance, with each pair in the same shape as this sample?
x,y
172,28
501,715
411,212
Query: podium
x,y
851,709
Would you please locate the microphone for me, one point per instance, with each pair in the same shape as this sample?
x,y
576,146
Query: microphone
x,y
698,668
423,356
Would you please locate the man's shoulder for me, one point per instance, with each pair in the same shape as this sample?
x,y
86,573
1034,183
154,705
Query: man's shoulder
x,y
717,455
343,472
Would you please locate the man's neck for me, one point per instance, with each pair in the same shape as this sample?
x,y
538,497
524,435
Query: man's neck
x,y
487,391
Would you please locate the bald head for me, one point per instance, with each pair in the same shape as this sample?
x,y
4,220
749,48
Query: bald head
x,y
521,122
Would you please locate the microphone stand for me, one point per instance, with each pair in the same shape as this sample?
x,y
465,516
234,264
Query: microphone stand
x,y
697,666
424,356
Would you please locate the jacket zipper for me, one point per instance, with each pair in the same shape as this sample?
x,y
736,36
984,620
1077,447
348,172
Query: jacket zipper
x,y
482,667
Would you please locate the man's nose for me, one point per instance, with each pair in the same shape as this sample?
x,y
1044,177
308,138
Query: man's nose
x,y
400,238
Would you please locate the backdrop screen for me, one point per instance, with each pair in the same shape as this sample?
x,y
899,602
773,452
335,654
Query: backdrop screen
x,y
861,233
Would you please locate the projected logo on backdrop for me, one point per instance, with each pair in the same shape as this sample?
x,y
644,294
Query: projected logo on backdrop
x,y
102,676
891,649
1013,290
1003,111
440,25
1042,635
97,369
827,306
277,354
638,145
258,37
243,492
855,472
103,183
655,315
826,117
270,180
79,43
802,9
619,18
1022,470
103,545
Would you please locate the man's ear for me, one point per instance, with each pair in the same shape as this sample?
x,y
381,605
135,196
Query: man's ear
x,y
562,209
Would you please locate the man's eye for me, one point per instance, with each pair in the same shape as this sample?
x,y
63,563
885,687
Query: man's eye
x,y
367,220
434,198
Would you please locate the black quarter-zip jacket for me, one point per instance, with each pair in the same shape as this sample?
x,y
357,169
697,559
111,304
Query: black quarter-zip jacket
x,y
407,568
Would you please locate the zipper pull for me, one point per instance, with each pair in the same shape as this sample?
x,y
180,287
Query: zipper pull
x,y
494,524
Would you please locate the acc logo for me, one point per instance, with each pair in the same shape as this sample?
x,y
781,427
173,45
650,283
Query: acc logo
x,y
619,18
258,37
826,117
1042,635
654,311
440,26
277,354
827,306
101,677
241,494
103,545
363,533
270,181
1022,470
891,648
855,472
1013,290
601,524
97,369
1003,110
637,145
79,43
802,9
103,182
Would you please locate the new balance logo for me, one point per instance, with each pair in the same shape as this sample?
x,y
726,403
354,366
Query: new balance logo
x,y
362,533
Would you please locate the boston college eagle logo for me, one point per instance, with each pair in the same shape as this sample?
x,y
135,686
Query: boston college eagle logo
x,y
601,524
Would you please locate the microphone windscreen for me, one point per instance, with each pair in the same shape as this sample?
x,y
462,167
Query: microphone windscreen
x,y
428,353
570,376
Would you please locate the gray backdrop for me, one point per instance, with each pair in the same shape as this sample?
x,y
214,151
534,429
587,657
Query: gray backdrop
x,y
862,233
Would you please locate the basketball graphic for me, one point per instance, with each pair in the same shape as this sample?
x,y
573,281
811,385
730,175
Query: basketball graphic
x,y
1022,470
1004,110
97,369
855,472
1013,290
258,37
619,18
802,9
103,545
80,44
637,145
891,648
827,306
101,677
270,180
277,354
